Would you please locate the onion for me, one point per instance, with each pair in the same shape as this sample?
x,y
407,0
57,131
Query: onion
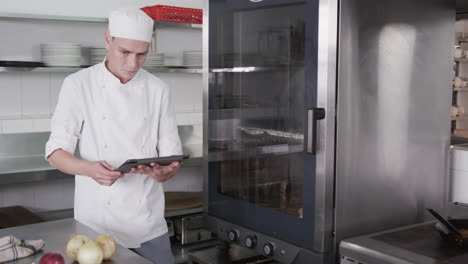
x,y
107,244
75,242
52,258
89,253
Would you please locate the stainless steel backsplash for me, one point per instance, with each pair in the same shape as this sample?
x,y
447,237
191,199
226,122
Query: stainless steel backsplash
x,y
23,144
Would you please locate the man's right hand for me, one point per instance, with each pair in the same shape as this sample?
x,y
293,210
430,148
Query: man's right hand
x,y
103,173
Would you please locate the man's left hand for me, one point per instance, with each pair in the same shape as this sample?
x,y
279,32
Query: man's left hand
x,y
158,172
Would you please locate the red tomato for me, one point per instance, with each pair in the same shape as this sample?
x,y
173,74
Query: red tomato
x,y
52,258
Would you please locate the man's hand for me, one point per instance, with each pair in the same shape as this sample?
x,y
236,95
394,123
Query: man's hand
x,y
157,172
103,173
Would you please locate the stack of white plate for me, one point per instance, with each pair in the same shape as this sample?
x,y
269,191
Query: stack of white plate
x,y
192,58
154,59
61,54
97,55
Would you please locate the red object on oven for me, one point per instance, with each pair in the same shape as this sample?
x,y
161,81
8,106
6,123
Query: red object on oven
x,y
174,14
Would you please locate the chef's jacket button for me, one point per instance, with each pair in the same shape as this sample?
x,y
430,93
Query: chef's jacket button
x,y
104,117
105,146
108,203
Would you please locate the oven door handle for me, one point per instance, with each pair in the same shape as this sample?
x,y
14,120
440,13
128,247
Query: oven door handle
x,y
313,115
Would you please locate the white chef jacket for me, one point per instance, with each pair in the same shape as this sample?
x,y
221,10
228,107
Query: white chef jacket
x,y
115,122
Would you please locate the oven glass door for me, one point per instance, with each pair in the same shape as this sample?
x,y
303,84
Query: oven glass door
x,y
262,81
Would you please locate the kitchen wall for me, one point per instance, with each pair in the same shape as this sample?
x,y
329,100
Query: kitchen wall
x,y
28,99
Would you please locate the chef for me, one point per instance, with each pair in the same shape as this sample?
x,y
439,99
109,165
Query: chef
x,y
115,111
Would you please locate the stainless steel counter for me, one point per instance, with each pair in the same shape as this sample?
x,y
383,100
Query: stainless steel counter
x,y
56,235
417,244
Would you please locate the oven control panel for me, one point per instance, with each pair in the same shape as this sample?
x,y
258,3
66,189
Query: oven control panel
x,y
262,244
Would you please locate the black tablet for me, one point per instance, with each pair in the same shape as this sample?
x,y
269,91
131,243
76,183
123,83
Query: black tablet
x,y
132,163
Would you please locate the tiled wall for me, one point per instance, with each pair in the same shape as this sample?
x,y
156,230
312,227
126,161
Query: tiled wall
x,y
27,100
39,196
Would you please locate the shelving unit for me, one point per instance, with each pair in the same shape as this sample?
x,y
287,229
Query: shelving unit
x,y
157,24
162,69
164,24
458,129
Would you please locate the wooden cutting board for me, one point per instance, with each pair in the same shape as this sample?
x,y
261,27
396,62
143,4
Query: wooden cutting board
x,y
183,200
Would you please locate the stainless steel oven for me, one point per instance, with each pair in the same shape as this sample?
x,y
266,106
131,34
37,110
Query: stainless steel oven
x,y
300,119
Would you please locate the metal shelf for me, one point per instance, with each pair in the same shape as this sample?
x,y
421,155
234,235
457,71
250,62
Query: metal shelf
x,y
32,176
246,111
174,69
68,213
461,59
157,24
461,39
257,152
166,24
162,69
247,69
183,211
24,164
462,89
455,140
27,163
16,16
36,168
460,118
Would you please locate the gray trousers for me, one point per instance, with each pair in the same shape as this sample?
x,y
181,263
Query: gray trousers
x,y
157,250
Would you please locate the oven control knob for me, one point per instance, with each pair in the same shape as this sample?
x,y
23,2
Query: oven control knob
x,y
251,241
269,248
233,235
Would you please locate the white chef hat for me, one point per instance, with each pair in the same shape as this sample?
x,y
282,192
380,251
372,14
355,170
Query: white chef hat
x,y
130,23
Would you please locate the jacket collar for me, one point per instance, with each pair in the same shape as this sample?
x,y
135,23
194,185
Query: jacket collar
x,y
109,78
